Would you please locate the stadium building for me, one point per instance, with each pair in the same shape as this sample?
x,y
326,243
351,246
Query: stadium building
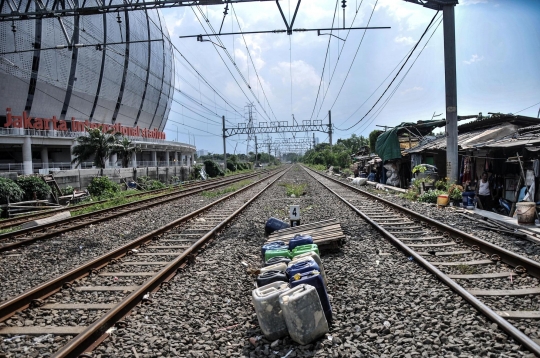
x,y
114,70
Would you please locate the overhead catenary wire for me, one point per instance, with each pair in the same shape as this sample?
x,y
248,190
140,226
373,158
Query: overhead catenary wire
x,y
400,82
230,58
375,90
397,74
253,64
352,62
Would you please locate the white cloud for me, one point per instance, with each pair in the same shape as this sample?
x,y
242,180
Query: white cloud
x,y
406,40
409,16
412,89
474,58
303,74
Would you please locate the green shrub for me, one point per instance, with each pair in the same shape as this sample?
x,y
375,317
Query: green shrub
x,y
68,190
212,169
33,184
10,190
430,196
103,187
232,166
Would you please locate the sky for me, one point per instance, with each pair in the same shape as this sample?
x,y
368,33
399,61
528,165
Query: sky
x,y
497,57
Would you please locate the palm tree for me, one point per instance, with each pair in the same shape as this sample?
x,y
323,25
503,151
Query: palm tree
x,y
125,148
98,144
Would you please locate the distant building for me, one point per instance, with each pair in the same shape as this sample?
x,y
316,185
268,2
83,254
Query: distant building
x,y
202,152
316,140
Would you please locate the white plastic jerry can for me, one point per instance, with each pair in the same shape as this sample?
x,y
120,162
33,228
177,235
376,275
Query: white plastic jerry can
x,y
282,266
268,309
303,314
315,257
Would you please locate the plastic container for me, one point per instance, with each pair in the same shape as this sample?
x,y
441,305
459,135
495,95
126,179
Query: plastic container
x,y
468,198
299,240
305,248
317,259
283,251
268,277
272,245
526,212
314,278
303,314
282,266
443,200
269,313
276,260
302,266
274,224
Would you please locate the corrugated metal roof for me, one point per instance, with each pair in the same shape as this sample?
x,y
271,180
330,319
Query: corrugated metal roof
x,y
468,140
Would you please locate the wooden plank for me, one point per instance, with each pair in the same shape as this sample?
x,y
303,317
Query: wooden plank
x,y
400,228
105,288
483,275
458,263
432,245
77,306
317,223
388,222
142,263
127,274
169,247
519,314
421,238
320,232
516,292
158,253
40,331
307,231
446,253
403,232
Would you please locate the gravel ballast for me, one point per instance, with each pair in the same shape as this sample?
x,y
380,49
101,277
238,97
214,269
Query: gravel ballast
x,y
384,304
31,265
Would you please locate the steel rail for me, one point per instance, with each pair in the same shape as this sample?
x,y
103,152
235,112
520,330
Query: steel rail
x,y
85,339
475,302
24,300
509,257
21,219
111,213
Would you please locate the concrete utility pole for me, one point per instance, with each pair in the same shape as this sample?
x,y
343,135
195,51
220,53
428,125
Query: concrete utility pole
x,y
224,146
330,127
449,26
452,159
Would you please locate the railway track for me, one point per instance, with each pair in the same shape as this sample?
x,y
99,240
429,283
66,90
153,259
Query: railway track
x,y
485,275
21,237
110,286
21,219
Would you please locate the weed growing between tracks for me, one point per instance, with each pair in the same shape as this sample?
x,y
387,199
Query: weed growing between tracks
x,y
226,190
9,229
121,199
466,269
296,189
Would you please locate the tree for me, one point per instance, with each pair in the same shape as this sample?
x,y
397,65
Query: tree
x,y
125,148
373,139
97,144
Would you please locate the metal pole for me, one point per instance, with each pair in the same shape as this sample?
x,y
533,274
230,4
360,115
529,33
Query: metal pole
x,y
224,146
255,150
452,160
330,127
313,140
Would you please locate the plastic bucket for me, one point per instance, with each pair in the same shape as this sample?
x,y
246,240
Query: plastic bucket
x,y
526,212
468,198
443,200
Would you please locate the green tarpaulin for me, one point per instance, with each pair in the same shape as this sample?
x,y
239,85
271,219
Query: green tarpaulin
x,y
387,145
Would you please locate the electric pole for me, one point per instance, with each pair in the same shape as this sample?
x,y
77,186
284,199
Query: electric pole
x,y
330,127
224,146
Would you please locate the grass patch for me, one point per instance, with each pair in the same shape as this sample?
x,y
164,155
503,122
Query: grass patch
x,y
244,171
122,198
9,229
229,189
466,269
296,189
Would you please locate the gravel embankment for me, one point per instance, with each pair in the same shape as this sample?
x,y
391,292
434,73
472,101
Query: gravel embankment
x,y
207,310
29,266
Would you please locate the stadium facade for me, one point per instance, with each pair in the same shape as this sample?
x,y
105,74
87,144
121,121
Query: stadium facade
x,y
113,70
